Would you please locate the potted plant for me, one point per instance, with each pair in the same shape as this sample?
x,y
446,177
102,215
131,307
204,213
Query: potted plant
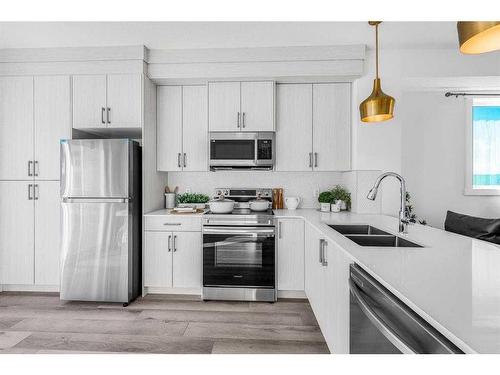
x,y
194,200
325,199
340,193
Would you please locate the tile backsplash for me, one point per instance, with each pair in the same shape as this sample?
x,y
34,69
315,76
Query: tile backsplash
x,y
301,184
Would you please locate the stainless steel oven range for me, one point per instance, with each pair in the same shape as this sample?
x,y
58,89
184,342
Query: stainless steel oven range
x,y
239,251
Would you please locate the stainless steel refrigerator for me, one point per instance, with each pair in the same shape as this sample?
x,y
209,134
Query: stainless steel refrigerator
x,y
101,220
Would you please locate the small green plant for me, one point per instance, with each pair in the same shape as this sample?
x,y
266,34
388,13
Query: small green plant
x,y
411,214
192,198
325,197
342,194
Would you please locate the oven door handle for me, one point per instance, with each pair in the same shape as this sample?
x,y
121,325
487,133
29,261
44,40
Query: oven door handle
x,y
241,231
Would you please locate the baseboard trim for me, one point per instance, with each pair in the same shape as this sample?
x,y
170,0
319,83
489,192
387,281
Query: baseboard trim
x,y
292,294
29,288
163,290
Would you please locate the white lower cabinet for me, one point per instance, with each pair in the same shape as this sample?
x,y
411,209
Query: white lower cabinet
x,y
172,259
187,258
157,260
327,288
16,232
47,232
291,254
29,233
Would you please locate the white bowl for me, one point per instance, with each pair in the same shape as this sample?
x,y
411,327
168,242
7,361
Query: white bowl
x,y
259,205
221,206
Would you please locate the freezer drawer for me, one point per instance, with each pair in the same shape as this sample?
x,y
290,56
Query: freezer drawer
x,y
96,253
96,168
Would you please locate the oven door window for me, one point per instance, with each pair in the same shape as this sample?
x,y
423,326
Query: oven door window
x,y
232,149
238,260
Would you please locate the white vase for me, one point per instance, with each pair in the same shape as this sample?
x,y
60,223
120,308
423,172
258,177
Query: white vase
x,y
336,206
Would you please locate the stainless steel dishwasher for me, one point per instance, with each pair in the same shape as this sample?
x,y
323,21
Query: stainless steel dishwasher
x,y
381,323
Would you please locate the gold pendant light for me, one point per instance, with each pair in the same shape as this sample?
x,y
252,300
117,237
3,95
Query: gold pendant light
x,y
478,37
378,106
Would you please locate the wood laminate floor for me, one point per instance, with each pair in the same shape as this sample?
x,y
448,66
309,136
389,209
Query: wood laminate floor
x,y
41,323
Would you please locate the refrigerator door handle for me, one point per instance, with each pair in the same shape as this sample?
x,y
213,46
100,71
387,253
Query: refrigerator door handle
x,y
95,200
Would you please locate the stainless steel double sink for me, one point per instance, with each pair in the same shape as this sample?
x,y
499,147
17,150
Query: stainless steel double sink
x,y
366,235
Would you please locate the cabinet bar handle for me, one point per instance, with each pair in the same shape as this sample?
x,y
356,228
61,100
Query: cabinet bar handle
x,y
36,169
238,120
102,115
108,116
30,163
172,224
179,159
175,244
35,192
315,159
184,158
324,262
310,160
169,243
320,251
30,197
243,119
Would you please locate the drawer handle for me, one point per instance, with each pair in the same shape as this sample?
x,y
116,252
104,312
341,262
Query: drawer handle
x,y
172,223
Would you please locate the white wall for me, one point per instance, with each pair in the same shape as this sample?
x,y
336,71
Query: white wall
x,y
384,146
433,161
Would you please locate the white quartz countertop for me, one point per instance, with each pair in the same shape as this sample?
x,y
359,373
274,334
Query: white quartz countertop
x,y
453,282
168,212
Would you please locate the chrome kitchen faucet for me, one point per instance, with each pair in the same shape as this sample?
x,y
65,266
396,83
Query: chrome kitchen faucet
x,y
403,213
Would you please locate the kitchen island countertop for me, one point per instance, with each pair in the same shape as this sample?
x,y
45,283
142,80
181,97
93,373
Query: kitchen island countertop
x,y
453,282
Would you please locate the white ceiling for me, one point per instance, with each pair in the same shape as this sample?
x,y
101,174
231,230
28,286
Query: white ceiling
x,y
173,35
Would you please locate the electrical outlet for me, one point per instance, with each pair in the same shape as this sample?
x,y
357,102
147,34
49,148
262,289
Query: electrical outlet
x,y
316,193
188,190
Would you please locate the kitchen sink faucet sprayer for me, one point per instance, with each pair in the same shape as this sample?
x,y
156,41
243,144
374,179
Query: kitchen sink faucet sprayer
x,y
403,213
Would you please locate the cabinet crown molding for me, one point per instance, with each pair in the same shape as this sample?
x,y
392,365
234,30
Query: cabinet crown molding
x,y
72,54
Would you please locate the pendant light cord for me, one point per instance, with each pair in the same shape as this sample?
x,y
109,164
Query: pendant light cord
x,y
376,49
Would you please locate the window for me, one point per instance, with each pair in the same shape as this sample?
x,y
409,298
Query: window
x,y
483,147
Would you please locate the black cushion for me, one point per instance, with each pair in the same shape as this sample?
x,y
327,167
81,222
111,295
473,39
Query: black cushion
x,y
476,227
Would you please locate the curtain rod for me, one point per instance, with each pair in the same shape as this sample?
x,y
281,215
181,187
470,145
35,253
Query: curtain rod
x,y
457,94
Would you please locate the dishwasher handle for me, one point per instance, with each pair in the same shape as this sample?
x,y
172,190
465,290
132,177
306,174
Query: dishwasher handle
x,y
387,331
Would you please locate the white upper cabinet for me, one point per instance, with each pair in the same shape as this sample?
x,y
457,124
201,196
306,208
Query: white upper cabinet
x,y
194,128
182,128
16,232
169,128
16,128
89,101
291,254
332,126
52,123
314,127
257,106
107,101
241,106
224,106
294,127
47,235
124,101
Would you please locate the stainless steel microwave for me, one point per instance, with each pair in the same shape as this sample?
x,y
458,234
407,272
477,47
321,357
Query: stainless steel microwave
x,y
239,150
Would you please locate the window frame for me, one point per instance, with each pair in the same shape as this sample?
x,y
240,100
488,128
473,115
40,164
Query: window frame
x,y
469,149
